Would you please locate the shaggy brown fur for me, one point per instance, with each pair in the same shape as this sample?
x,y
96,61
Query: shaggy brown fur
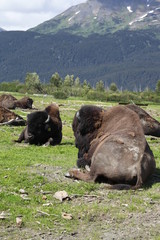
x,y
117,151
10,118
24,103
7,101
150,125
10,102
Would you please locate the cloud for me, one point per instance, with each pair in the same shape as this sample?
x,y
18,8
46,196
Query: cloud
x,y
22,15
21,6
22,21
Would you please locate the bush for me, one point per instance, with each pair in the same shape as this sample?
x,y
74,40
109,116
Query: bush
x,y
61,94
94,95
126,97
14,86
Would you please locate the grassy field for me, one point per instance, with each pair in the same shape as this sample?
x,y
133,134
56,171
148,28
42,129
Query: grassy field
x,y
31,175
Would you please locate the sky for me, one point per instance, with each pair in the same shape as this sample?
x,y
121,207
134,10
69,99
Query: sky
x,y
25,14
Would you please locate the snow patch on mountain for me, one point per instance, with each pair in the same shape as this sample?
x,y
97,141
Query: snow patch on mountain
x,y
105,16
129,9
143,16
76,13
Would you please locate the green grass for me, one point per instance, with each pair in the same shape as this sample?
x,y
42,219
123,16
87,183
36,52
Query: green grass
x,y
38,169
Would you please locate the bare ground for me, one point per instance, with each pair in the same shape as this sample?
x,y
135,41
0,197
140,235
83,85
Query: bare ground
x,y
135,225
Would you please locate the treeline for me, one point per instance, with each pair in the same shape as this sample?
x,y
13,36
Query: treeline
x,y
72,87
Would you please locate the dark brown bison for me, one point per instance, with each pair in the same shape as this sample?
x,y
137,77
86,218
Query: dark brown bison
x,y
10,102
43,127
10,118
113,143
150,125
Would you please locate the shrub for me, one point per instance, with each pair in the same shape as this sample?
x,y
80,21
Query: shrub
x,y
94,95
61,94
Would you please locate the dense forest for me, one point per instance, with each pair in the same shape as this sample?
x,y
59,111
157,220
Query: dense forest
x,y
130,59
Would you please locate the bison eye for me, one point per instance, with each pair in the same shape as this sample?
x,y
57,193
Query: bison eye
x,y
49,129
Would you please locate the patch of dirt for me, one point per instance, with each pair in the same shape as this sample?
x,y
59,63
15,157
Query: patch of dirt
x,y
51,173
136,226
100,226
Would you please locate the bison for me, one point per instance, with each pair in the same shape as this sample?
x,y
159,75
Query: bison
x,y
10,118
43,127
150,125
10,102
113,144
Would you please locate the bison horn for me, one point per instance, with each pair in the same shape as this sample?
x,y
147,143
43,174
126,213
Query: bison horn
x,y
77,115
47,119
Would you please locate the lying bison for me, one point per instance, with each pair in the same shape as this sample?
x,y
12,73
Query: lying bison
x,y
150,125
43,127
10,102
113,143
10,118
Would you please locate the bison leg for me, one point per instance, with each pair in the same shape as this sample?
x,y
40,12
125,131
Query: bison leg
x,y
83,162
77,174
57,140
21,137
85,176
146,168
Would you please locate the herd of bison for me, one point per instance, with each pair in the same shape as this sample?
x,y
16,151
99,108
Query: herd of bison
x,y
111,143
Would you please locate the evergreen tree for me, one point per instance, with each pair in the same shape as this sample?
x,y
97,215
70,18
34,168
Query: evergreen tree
x,y
158,87
85,84
100,86
32,82
113,87
56,80
69,81
77,82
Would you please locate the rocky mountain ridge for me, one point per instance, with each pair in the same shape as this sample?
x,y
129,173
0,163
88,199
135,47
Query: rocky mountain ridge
x,y
105,16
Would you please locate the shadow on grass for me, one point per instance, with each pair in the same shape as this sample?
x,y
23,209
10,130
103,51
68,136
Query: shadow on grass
x,y
155,178
67,143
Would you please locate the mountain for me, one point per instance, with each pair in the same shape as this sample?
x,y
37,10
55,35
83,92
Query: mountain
x,y
111,40
1,29
105,16
128,58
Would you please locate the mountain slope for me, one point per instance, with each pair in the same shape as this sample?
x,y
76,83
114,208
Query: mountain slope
x,y
1,29
105,16
130,59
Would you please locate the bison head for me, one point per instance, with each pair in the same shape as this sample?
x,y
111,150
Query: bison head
x,y
87,119
85,125
43,127
38,127
25,102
